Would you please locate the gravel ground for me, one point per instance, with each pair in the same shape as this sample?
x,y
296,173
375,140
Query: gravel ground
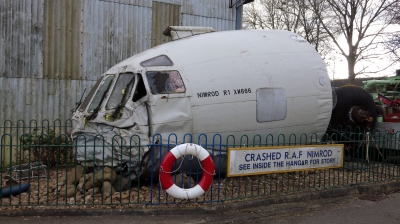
x,y
46,192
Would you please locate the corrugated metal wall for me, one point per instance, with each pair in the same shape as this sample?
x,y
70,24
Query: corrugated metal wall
x,y
21,27
50,50
113,32
61,54
164,15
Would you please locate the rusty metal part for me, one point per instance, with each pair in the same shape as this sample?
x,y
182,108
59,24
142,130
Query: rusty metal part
x,y
359,114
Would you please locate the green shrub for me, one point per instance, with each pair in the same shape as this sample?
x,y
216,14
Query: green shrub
x,y
47,148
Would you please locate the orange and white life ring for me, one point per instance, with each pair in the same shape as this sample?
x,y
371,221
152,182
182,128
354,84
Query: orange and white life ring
x,y
206,162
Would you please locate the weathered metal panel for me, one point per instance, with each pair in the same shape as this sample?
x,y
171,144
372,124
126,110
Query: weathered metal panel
x,y
209,8
4,37
26,23
217,24
51,50
112,32
142,3
21,24
26,98
164,15
62,39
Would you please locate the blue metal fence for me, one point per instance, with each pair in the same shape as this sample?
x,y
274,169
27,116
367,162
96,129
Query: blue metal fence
x,y
42,155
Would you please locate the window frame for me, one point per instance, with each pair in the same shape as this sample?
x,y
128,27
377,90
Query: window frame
x,y
153,87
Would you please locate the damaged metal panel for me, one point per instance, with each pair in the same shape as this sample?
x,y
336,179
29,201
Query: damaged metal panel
x,y
62,39
21,24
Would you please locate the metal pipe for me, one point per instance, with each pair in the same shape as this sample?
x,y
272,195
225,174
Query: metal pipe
x,y
239,16
369,84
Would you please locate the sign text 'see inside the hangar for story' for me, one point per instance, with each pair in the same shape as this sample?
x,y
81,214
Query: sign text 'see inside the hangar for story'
x,y
276,159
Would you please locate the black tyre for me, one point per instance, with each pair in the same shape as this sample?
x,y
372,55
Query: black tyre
x,y
350,97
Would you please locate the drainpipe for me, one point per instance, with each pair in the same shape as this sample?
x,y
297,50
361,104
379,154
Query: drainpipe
x,y
239,16
238,4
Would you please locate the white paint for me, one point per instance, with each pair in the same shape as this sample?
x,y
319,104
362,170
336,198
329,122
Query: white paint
x,y
215,63
179,32
190,149
181,193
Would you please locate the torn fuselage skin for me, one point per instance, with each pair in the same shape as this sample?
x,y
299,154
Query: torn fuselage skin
x,y
113,125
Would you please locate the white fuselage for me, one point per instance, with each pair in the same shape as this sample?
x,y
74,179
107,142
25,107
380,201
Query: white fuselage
x,y
247,82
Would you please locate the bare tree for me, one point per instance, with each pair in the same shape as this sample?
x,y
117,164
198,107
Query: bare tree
x,y
392,40
392,44
293,15
361,22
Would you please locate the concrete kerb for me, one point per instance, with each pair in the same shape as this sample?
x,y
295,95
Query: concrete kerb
x,y
220,207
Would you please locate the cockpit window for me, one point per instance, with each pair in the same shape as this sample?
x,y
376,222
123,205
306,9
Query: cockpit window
x,y
85,103
122,89
162,60
165,82
101,93
140,90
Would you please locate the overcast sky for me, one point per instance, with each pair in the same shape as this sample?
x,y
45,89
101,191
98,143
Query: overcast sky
x,y
339,65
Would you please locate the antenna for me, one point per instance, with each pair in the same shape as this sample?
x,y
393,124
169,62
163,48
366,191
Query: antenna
x,y
79,103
